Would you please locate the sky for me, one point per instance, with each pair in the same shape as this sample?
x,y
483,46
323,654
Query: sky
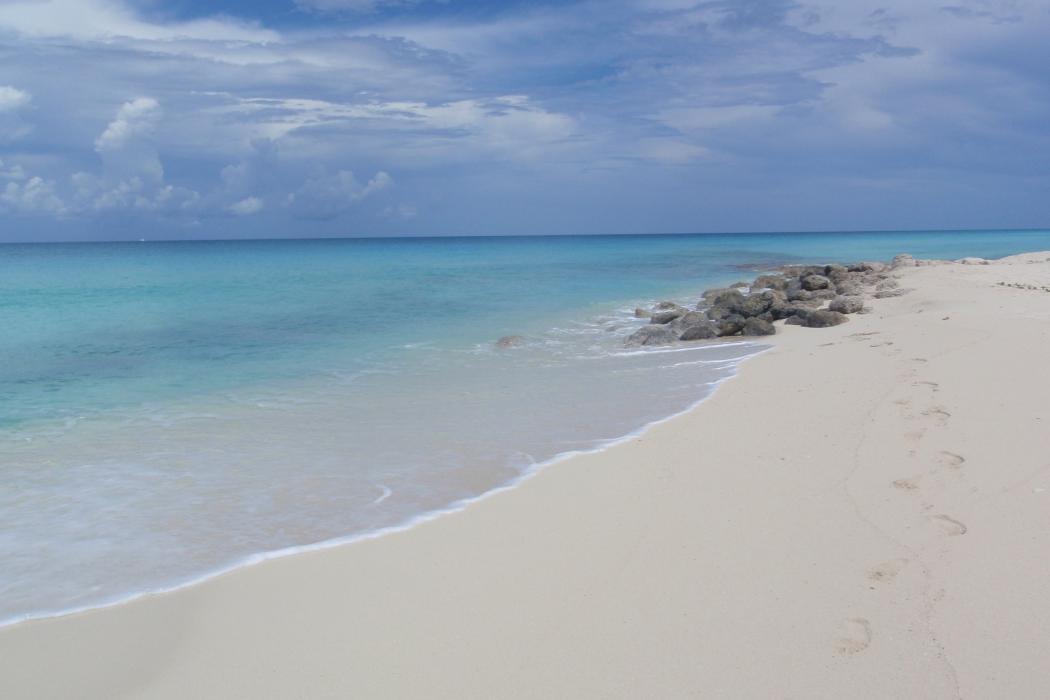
x,y
186,119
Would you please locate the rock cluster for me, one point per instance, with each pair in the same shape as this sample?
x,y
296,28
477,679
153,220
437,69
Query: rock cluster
x,y
813,296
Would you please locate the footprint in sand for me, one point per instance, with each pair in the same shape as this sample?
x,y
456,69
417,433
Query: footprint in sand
x,y
950,526
886,571
951,460
932,385
907,484
938,414
856,637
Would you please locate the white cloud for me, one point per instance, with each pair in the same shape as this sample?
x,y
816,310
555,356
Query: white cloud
x,y
31,196
11,172
11,98
350,5
328,196
127,145
109,19
246,206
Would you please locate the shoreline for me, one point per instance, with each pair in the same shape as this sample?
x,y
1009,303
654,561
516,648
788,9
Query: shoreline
x,y
630,571
415,521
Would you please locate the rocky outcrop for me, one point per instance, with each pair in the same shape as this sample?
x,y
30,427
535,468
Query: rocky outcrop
x,y
661,317
651,335
757,326
796,295
705,330
902,260
812,283
823,318
847,304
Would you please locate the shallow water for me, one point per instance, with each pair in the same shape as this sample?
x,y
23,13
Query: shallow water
x,y
172,409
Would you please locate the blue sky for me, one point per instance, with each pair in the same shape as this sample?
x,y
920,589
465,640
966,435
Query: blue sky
x,y
189,119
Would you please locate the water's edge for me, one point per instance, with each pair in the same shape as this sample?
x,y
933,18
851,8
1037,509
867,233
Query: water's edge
x,y
455,507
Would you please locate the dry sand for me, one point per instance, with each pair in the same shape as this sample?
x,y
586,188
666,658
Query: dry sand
x,y
863,513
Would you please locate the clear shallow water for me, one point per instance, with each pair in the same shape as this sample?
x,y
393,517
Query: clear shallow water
x,y
172,409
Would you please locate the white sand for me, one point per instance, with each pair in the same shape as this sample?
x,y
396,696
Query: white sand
x,y
863,513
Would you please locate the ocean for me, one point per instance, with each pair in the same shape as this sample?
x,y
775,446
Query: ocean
x,y
171,410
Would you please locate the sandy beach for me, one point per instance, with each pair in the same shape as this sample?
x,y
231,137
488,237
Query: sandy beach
x,y
864,512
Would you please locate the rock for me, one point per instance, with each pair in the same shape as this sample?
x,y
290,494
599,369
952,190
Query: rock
x,y
846,305
867,266
775,282
757,326
836,273
887,293
903,260
849,288
972,261
642,313
755,304
823,318
795,292
788,309
822,295
710,295
510,341
717,313
665,306
739,285
812,283
651,335
730,325
661,317
888,283
699,331
729,298
690,318
795,321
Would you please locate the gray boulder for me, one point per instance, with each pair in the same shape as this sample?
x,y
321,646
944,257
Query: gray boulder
x,y
703,330
510,341
812,283
788,309
730,325
757,326
903,260
888,283
710,294
770,282
651,335
823,318
756,304
665,306
868,266
661,317
846,305
642,313
729,298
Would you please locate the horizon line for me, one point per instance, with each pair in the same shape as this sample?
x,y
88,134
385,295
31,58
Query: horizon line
x,y
277,239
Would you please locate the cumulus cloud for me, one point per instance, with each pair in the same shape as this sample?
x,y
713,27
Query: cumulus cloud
x,y
127,145
31,196
533,114
328,196
12,98
12,125
246,206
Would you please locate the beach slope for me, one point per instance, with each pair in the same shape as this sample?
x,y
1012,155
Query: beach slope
x,y
863,512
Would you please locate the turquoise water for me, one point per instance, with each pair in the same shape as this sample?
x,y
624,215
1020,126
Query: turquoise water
x,y
172,409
